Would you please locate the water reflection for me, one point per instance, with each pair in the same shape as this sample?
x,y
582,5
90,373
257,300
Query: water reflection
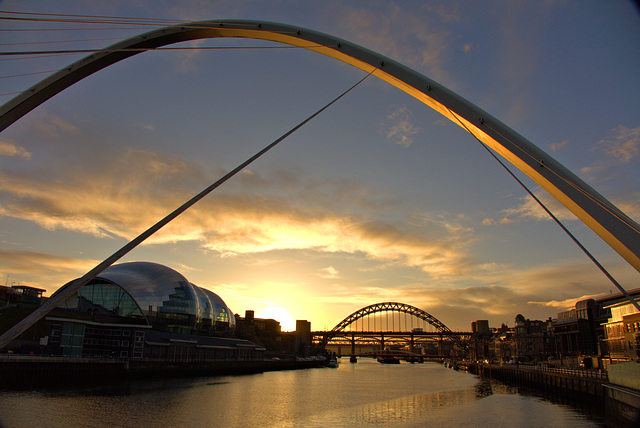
x,y
483,388
355,395
410,407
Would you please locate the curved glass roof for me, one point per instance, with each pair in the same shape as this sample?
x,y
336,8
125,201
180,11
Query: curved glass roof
x,y
164,296
156,288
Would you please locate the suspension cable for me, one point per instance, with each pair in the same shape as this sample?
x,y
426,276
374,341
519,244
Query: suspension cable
x,y
33,57
544,207
89,19
28,74
91,16
171,48
68,289
38,30
49,42
576,187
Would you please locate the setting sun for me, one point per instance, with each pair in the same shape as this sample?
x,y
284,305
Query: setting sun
x,y
287,323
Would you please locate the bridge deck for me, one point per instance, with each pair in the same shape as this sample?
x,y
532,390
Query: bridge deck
x,y
389,333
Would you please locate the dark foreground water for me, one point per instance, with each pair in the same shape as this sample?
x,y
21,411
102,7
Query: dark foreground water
x,y
353,395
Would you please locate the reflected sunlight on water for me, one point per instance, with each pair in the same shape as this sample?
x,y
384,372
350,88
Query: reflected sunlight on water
x,y
354,395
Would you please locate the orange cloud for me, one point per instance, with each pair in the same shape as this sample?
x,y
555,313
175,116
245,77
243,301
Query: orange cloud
x,y
529,209
11,149
123,196
563,305
622,145
42,270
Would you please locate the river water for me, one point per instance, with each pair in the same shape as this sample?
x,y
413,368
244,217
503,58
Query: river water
x,y
353,395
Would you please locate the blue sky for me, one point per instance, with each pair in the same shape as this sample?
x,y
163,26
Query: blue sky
x,y
378,199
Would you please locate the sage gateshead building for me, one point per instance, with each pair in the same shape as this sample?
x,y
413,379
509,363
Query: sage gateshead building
x,y
143,311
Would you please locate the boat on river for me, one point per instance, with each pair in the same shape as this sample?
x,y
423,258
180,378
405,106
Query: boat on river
x,y
388,359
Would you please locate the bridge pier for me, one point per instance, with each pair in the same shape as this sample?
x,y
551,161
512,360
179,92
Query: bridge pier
x,y
353,344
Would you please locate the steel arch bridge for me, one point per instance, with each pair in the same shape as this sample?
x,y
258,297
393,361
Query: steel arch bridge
x,y
391,307
386,307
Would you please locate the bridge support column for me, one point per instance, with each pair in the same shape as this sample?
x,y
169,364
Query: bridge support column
x,y
353,358
440,346
382,341
353,344
412,348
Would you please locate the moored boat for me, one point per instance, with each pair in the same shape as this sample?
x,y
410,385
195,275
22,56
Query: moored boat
x,y
388,359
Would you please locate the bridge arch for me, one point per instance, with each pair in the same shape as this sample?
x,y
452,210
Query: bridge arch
x,y
388,307
391,307
605,219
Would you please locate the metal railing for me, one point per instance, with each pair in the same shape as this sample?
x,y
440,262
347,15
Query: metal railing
x,y
586,373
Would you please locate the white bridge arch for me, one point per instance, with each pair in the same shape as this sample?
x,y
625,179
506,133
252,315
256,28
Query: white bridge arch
x,y
605,219
612,225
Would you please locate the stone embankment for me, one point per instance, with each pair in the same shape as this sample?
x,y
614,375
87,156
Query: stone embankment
x,y
592,386
30,371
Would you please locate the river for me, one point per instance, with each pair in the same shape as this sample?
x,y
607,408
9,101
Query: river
x,y
353,395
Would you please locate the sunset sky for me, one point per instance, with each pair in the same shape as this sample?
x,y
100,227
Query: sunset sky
x,y
378,199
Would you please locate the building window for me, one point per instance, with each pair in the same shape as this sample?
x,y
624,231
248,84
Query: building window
x,y
108,298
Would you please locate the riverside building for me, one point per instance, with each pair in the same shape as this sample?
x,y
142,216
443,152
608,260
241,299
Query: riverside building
x,y
145,311
622,332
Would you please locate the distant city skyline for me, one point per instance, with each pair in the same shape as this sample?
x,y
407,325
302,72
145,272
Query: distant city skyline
x,y
378,199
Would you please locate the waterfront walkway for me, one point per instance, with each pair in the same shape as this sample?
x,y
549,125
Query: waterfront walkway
x,y
584,385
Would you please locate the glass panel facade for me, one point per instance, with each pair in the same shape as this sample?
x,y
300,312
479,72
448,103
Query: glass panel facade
x,y
152,294
72,339
109,299
169,301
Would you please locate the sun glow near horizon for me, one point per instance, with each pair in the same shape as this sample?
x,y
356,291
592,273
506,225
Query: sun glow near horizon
x,y
287,323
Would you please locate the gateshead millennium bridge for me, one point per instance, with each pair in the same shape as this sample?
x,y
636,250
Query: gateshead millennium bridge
x,y
605,219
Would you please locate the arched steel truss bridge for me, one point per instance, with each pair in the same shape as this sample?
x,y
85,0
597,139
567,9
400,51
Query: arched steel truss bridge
x,y
387,307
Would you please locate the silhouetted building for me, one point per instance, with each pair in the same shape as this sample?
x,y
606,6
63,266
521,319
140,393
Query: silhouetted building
x,y
21,294
303,338
265,332
480,327
480,340
501,345
144,310
575,330
528,339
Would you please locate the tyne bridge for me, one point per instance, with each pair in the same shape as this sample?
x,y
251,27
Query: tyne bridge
x,y
391,328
